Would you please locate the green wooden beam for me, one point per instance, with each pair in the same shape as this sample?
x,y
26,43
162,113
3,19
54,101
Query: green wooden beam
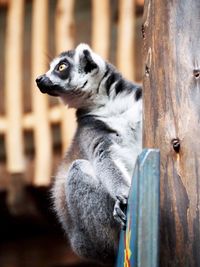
x,y
138,245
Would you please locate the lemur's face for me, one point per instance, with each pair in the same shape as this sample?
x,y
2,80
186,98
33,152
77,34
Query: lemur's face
x,y
73,74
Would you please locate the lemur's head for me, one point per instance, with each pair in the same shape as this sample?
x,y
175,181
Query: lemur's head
x,y
74,76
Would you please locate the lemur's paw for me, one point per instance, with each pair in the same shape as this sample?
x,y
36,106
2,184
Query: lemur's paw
x,y
119,212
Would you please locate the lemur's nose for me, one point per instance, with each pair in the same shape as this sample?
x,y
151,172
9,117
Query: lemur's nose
x,y
40,78
43,83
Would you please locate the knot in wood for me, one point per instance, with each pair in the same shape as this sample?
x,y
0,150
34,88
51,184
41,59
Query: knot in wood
x,y
196,73
147,70
176,144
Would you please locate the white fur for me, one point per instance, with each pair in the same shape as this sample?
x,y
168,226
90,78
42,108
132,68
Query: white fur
x,y
123,170
124,116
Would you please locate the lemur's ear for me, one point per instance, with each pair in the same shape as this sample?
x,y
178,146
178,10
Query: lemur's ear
x,y
88,62
84,58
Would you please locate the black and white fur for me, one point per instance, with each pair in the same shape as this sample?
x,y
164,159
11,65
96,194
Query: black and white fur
x,y
93,181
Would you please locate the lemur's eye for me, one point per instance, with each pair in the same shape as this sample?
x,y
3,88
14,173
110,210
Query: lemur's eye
x,y
62,67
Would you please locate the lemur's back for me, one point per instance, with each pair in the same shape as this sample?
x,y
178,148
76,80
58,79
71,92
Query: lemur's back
x,y
92,183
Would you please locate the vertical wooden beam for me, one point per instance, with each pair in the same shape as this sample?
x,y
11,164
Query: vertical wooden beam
x,y
101,27
13,87
42,132
171,122
64,32
64,24
13,104
125,38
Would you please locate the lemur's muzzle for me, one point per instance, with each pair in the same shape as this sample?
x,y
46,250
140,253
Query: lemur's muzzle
x,y
46,86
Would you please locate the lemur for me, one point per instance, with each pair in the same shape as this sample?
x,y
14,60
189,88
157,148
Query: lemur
x,y
93,181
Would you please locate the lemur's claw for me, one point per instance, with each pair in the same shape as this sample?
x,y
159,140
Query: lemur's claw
x,y
123,200
120,210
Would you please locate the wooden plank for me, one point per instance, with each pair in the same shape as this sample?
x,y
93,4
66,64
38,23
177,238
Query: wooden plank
x,y
42,131
125,38
139,243
171,122
64,22
101,27
13,87
54,117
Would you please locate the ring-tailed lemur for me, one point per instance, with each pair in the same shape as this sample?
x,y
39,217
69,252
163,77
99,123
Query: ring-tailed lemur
x,y
93,181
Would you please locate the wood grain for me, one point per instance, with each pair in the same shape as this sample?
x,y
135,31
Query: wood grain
x,y
171,122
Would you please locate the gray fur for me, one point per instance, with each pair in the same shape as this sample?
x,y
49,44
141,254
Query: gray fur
x,y
92,184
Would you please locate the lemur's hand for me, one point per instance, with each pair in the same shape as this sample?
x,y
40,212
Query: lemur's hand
x,y
119,212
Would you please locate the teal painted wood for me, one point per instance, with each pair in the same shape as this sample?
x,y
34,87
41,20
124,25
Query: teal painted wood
x,y
138,246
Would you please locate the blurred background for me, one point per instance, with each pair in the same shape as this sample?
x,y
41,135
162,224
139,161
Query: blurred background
x,y
36,129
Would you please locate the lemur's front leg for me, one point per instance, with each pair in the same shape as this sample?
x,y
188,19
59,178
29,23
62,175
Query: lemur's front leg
x,y
112,178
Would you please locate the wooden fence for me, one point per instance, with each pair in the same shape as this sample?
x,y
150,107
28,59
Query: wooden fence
x,y
42,116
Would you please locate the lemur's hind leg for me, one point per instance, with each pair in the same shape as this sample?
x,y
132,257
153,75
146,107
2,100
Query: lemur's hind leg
x,y
91,209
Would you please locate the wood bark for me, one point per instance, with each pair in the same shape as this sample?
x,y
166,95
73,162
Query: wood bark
x,y
171,36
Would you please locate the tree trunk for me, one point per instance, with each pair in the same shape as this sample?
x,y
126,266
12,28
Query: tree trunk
x,y
171,33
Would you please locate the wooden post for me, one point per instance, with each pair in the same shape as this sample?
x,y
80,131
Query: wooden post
x,y
125,39
13,104
64,31
42,131
101,27
171,122
13,87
